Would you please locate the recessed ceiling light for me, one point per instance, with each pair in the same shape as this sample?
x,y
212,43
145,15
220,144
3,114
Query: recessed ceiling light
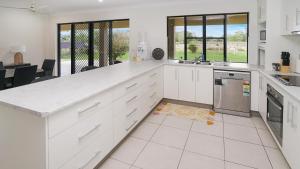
x,y
100,0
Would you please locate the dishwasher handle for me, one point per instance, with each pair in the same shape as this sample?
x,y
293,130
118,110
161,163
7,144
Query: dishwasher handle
x,y
218,82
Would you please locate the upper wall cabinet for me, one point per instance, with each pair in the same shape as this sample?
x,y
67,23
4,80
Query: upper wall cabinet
x,y
290,16
262,11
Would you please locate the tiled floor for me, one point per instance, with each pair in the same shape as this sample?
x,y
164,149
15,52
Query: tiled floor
x,y
170,142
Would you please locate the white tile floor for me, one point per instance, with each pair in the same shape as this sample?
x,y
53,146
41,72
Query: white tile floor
x,y
169,142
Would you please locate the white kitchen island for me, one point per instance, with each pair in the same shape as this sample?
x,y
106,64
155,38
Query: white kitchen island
x,y
74,122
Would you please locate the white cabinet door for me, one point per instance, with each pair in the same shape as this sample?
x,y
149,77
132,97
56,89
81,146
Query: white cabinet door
x,y
187,84
291,132
204,85
171,82
262,97
254,90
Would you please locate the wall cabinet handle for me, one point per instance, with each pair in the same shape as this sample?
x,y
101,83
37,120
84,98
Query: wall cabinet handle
x,y
192,75
288,112
82,136
89,160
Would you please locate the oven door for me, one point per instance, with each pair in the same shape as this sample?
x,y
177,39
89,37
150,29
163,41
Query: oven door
x,y
275,117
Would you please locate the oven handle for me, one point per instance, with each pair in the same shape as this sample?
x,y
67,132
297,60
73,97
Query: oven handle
x,y
273,101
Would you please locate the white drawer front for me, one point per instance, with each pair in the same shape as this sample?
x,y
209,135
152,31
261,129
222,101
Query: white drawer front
x,y
128,87
65,145
89,157
63,120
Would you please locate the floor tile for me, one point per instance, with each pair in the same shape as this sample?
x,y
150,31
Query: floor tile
x,y
241,133
145,131
277,159
205,144
267,138
202,127
156,118
156,156
259,123
195,161
178,122
246,154
171,137
114,164
245,121
129,150
218,117
229,165
134,167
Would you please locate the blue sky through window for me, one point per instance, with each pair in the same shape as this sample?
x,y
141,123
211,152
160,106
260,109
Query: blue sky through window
x,y
214,30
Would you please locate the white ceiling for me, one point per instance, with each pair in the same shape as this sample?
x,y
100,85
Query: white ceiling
x,y
68,5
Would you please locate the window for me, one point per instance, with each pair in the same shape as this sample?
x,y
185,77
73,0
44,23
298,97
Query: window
x,y
100,44
216,37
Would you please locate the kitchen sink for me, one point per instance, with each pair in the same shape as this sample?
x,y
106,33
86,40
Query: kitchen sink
x,y
186,62
193,62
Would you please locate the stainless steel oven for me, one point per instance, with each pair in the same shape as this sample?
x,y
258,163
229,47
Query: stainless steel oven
x,y
275,112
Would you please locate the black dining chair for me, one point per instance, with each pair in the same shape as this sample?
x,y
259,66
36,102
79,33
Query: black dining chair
x,y
23,76
48,67
2,79
87,68
1,65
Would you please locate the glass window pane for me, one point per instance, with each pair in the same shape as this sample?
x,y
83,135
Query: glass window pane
x,y
101,44
237,28
120,41
215,38
194,37
81,46
65,49
176,37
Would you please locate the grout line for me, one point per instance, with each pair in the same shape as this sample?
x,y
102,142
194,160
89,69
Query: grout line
x,y
264,149
185,144
224,141
241,164
132,165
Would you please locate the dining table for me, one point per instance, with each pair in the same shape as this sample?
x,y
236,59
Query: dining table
x,y
10,73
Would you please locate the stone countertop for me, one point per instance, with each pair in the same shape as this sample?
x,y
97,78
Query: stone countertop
x,y
45,98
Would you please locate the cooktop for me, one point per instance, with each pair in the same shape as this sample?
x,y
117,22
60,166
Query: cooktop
x,y
288,80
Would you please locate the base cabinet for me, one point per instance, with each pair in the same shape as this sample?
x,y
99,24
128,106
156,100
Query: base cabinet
x,y
262,106
291,132
171,82
190,84
187,84
204,85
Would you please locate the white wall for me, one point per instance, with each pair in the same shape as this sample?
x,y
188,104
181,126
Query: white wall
x,y
20,27
275,42
152,20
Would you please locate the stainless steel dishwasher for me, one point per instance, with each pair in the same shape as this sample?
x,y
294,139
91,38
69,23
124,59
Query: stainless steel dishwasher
x,y
232,92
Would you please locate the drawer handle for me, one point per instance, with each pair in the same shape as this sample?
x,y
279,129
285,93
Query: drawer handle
x,y
131,125
131,86
154,74
89,108
90,159
153,84
153,95
130,100
133,111
82,136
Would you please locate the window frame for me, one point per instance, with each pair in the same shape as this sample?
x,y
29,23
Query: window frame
x,y
91,43
204,16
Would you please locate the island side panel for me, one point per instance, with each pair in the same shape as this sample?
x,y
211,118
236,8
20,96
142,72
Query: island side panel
x,y
22,139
